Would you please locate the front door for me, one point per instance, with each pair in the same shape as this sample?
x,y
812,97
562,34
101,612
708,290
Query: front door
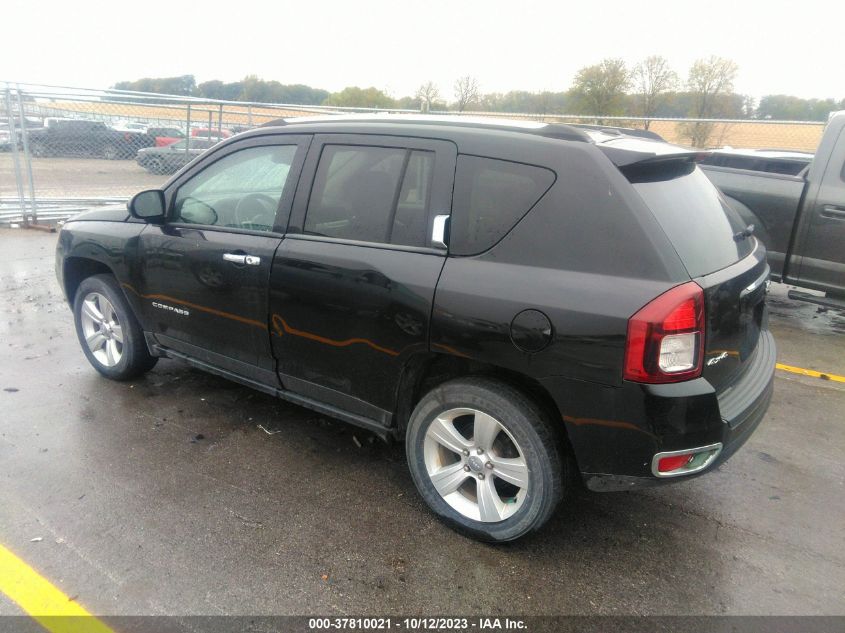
x,y
353,281
819,241
203,277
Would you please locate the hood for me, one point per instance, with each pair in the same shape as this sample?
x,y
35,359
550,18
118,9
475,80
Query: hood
x,y
109,213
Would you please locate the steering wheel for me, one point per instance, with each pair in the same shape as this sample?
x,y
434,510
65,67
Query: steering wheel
x,y
264,218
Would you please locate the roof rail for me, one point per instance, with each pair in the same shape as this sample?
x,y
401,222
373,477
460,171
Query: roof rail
x,y
562,131
274,123
549,130
626,131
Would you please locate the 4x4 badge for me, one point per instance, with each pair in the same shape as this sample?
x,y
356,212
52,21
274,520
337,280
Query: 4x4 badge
x,y
718,358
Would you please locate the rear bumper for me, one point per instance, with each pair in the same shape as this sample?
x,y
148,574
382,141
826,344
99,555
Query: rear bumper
x,y
616,445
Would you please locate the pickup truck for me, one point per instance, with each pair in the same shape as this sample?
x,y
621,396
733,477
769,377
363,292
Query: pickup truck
x,y
92,139
800,218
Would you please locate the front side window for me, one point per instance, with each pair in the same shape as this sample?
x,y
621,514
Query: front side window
x,y
241,190
371,194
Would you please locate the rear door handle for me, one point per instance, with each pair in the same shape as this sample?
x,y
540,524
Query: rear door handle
x,y
833,212
235,258
439,231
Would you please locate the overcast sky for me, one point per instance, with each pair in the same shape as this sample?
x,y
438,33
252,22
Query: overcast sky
x,y
781,47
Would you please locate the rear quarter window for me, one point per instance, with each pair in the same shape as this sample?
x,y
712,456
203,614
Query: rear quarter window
x,y
695,217
490,197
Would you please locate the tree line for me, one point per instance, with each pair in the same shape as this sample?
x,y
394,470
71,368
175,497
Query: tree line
x,y
649,89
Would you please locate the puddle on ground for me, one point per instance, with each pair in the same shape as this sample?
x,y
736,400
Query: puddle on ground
x,y
803,315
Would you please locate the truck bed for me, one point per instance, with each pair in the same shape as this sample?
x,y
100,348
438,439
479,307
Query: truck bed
x,y
768,201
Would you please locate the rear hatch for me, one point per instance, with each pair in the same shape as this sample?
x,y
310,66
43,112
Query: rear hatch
x,y
719,252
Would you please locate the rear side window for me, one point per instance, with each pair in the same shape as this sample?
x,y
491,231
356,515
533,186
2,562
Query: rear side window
x,y
695,217
490,197
371,194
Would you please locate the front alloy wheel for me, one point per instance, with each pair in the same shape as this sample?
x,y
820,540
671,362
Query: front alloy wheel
x,y
110,335
102,330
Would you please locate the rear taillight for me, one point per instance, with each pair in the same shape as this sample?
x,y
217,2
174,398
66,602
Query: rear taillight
x,y
666,337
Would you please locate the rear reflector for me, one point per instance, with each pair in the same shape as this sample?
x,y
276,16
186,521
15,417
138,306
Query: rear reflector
x,y
684,462
668,464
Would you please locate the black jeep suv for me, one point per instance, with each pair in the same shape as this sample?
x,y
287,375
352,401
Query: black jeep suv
x,y
523,304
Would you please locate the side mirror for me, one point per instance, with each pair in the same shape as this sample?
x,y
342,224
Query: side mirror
x,y
147,205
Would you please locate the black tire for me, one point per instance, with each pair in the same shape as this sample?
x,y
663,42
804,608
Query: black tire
x,y
110,152
135,358
156,166
38,149
529,429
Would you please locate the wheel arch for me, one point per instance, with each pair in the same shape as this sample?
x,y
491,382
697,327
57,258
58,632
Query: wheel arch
x,y
77,269
424,372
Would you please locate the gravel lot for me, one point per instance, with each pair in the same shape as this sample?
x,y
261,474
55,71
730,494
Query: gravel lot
x,y
165,496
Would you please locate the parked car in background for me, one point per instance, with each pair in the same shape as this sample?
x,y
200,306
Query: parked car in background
x,y
130,126
770,161
799,216
522,304
80,137
163,136
170,158
6,131
213,133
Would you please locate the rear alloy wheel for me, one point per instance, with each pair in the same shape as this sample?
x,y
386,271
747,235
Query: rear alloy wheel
x,y
110,152
108,332
485,477
485,458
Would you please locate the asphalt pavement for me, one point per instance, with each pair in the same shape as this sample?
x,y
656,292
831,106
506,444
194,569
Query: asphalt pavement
x,y
182,493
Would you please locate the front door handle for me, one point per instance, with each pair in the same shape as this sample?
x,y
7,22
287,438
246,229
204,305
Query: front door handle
x,y
833,212
235,258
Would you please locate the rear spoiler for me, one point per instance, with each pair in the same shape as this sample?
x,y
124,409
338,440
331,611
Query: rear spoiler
x,y
625,157
652,168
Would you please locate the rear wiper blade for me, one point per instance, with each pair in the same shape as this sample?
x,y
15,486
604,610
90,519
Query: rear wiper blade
x,y
745,233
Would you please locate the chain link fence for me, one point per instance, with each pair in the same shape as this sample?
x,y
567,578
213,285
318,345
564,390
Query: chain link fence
x,y
65,150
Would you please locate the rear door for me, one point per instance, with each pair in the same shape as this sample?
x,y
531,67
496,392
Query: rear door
x,y
819,251
353,282
728,264
203,275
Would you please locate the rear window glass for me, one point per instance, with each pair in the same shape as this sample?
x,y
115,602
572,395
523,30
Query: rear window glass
x,y
695,217
490,197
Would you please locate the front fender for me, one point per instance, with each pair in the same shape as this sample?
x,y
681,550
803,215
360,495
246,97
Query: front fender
x,y
94,247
